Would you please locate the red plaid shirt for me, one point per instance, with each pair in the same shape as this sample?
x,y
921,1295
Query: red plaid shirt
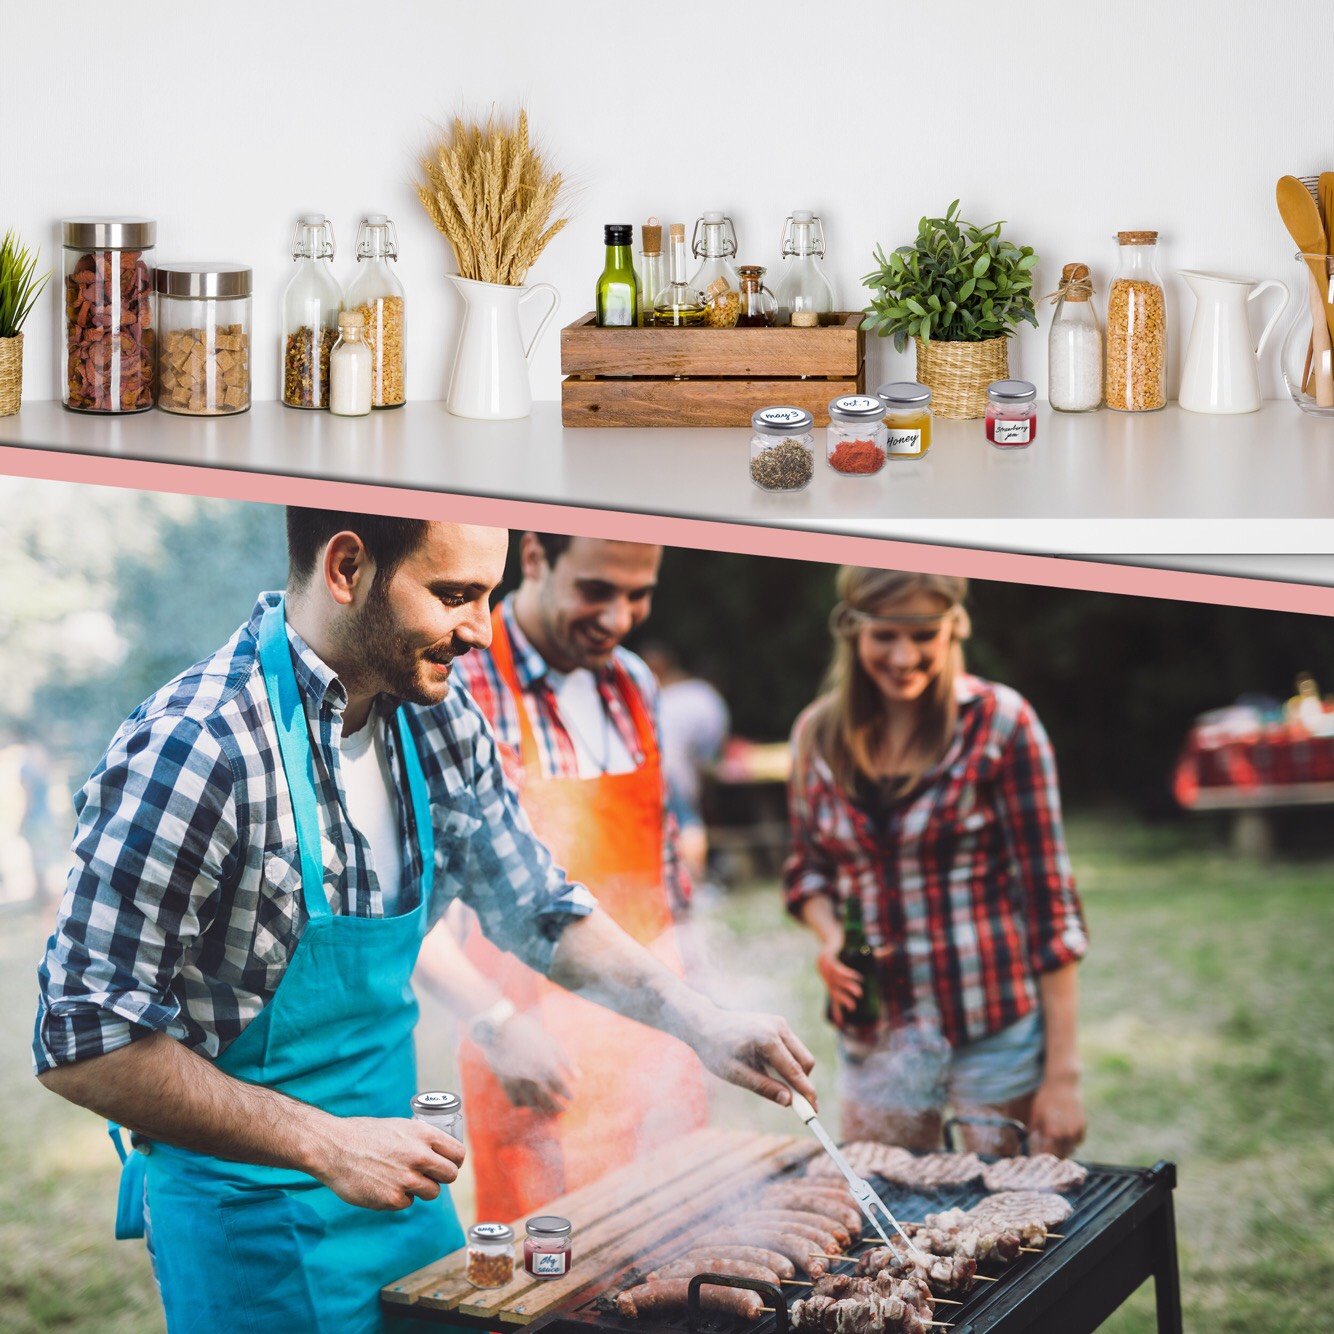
x,y
965,884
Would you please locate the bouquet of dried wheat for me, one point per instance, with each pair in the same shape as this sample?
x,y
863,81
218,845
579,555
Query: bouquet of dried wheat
x,y
488,190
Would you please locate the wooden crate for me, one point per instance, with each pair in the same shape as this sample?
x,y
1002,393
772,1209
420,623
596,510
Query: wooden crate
x,y
706,377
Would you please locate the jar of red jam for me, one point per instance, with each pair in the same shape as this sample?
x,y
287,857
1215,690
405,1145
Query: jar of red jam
x,y
546,1248
1012,414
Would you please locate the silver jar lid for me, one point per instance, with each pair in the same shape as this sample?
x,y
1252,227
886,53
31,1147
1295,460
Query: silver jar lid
x,y
856,408
491,1234
904,394
783,421
548,1225
436,1103
109,233
202,280
1012,391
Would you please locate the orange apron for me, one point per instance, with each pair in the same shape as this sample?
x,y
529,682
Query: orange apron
x,y
636,1088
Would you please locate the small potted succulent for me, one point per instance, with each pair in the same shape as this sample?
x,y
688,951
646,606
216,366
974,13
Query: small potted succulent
x,y
958,291
19,289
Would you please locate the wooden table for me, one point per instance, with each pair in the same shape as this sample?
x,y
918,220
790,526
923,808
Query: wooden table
x,y
631,1216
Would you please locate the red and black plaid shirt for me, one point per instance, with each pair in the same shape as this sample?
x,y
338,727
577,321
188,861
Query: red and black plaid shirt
x,y
964,882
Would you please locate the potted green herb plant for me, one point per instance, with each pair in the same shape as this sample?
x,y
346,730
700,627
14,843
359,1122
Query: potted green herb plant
x,y
19,289
958,291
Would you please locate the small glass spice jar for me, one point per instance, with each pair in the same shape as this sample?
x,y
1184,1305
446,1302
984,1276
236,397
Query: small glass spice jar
x,y
907,418
855,437
203,338
546,1248
1012,414
442,1110
722,306
782,449
490,1255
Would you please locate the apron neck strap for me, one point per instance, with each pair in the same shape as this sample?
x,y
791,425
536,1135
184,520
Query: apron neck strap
x,y
421,807
502,654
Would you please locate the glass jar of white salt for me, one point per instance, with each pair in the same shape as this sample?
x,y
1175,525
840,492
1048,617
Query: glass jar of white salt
x,y
1074,346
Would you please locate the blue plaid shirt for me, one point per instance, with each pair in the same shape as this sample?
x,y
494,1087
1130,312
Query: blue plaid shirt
x,y
184,905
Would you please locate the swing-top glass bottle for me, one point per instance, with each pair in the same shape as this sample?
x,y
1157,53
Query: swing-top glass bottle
x,y
311,305
377,293
803,286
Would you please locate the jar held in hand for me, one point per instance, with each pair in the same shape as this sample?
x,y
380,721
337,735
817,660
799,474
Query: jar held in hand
x,y
442,1110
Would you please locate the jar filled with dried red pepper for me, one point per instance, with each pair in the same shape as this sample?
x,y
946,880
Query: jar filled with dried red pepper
x,y
855,437
110,350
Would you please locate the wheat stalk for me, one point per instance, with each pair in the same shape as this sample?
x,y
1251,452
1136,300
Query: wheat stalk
x,y
492,196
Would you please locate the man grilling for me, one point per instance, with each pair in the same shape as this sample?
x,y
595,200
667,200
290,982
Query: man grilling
x,y
258,856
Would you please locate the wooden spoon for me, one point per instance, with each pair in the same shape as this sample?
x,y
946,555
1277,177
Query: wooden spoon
x,y
1301,216
1326,192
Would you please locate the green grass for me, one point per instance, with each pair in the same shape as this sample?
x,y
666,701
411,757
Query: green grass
x,y
1207,1006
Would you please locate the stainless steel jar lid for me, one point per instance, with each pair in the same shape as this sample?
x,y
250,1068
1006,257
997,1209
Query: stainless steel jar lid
x,y
904,394
782,421
110,233
491,1234
856,408
1012,391
202,280
436,1103
548,1225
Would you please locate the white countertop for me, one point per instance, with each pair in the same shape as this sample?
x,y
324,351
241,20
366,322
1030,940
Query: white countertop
x,y
1099,483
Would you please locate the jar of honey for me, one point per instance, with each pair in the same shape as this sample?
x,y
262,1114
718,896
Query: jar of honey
x,y
546,1248
907,418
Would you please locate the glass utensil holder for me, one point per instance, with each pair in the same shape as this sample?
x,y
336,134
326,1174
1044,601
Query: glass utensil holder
x,y
1307,361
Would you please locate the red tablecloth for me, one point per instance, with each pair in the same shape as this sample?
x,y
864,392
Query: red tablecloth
x,y
1275,756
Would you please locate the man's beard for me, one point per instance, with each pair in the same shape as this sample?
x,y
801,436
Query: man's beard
x,y
383,658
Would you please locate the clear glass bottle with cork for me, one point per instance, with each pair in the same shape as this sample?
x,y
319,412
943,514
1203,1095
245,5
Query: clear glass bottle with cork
x,y
377,293
758,304
350,368
651,267
714,245
310,314
804,291
1074,345
1135,377
679,305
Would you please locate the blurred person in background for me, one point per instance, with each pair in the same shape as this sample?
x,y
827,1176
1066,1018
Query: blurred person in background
x,y
926,819
695,724
558,1091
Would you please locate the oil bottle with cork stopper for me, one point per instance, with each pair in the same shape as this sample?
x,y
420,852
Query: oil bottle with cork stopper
x,y
651,267
1074,345
679,305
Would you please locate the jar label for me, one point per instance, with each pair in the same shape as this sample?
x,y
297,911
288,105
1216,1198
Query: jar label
x,y
549,1262
1012,432
782,416
903,442
491,1230
858,403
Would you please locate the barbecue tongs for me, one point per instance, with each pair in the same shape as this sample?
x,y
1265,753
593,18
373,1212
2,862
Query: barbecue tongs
x,y
862,1190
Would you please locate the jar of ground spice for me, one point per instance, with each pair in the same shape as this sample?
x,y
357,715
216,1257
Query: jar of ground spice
x,y
490,1255
855,438
782,448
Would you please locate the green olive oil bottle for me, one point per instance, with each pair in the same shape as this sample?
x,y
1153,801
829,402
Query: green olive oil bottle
x,y
618,288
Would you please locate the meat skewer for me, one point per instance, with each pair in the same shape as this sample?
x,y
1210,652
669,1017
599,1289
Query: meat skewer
x,y
944,1273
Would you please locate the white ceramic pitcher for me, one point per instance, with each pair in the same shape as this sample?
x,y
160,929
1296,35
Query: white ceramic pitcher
x,y
1221,373
490,376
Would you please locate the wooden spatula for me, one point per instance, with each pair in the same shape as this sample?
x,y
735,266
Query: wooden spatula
x,y
1326,193
1301,216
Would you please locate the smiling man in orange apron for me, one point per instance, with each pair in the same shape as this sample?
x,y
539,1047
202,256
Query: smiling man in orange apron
x,y
575,715
254,874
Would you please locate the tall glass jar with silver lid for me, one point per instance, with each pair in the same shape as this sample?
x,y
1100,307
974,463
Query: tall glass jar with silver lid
x,y
109,349
203,338
377,293
855,437
782,448
311,305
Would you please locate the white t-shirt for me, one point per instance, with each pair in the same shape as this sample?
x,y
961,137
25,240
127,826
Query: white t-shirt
x,y
597,742
372,803
695,723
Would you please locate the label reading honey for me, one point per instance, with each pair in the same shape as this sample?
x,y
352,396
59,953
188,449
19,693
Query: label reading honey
x,y
904,443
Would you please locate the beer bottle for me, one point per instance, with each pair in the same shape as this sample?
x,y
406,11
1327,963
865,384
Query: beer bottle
x,y
857,955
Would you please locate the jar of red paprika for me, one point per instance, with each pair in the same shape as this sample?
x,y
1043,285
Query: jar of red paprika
x,y
855,438
546,1248
1012,414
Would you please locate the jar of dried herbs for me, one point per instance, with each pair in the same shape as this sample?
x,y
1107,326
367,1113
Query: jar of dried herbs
x,y
311,305
782,448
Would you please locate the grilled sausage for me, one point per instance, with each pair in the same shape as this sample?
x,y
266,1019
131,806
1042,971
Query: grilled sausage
x,y
800,1250
756,1255
833,1204
669,1299
710,1263
817,1236
823,1223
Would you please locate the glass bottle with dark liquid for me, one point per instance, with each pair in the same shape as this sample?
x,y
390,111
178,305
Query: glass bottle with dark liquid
x,y
858,955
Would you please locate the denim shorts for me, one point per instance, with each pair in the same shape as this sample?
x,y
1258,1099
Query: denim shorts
x,y
916,1071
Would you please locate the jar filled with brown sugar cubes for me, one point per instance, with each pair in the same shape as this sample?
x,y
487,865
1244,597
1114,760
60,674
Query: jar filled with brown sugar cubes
x,y
109,332
1135,370
203,338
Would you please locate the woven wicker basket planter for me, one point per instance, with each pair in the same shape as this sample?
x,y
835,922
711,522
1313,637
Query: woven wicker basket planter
x,y
11,375
958,374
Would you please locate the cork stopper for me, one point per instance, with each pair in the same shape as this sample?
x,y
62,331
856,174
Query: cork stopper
x,y
1137,238
1076,284
677,231
805,319
351,319
716,288
651,232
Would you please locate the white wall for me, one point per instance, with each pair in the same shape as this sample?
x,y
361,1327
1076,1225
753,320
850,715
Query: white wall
x,y
1070,119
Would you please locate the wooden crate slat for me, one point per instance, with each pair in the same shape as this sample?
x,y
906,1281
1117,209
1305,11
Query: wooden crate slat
x,y
698,403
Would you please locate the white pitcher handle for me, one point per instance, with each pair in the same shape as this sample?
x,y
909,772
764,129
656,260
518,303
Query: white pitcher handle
x,y
546,319
1273,319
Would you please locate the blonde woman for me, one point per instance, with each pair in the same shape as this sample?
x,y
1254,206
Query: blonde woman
x,y
930,797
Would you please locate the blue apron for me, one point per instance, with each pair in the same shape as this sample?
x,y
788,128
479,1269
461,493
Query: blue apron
x,y
258,1249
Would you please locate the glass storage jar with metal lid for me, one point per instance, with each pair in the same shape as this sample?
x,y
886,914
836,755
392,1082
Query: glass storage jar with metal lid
x,y
714,245
908,418
782,448
1012,414
377,293
440,1109
855,436
110,351
490,1255
203,338
546,1248
310,315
